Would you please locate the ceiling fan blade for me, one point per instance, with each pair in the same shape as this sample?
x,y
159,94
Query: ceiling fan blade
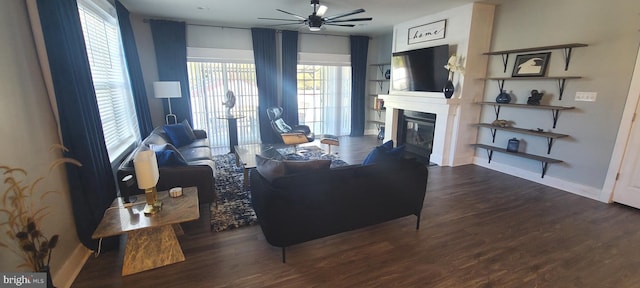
x,y
280,19
344,14
349,20
294,15
343,25
285,24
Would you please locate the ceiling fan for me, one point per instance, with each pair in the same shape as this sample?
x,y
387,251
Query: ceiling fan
x,y
317,20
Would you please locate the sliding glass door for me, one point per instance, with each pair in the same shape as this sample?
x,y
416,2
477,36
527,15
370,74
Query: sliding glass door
x,y
209,83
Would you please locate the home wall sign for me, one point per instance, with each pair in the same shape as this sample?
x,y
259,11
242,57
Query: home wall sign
x,y
427,32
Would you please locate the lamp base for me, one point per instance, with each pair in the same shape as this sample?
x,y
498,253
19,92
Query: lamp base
x,y
153,206
152,209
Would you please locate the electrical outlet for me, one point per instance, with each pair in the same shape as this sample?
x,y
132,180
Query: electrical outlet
x,y
586,96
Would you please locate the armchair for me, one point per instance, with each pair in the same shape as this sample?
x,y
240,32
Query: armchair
x,y
291,135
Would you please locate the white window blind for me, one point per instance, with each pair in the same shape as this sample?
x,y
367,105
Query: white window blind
x,y
209,82
109,74
324,98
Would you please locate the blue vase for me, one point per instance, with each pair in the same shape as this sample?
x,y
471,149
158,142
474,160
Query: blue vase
x,y
448,90
503,97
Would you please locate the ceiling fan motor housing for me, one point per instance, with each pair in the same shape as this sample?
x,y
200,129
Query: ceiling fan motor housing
x,y
315,21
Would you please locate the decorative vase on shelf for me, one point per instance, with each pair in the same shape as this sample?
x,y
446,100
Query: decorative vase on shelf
x,y
503,97
448,90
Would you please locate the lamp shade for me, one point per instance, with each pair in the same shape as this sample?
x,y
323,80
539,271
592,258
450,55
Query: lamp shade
x,y
146,166
167,89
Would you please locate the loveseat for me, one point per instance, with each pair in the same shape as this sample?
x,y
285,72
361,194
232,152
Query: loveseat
x,y
198,170
299,207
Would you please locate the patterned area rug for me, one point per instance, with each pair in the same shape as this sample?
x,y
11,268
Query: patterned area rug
x,y
234,202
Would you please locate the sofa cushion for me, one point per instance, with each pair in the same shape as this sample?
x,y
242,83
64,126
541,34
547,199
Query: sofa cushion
x,y
196,153
271,169
177,134
201,142
293,167
186,125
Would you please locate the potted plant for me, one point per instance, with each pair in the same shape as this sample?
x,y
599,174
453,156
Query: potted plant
x,y
21,215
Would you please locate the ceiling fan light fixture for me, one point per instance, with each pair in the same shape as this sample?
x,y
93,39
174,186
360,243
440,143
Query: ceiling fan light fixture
x,y
322,10
314,29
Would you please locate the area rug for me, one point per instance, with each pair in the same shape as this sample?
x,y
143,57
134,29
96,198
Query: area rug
x,y
233,209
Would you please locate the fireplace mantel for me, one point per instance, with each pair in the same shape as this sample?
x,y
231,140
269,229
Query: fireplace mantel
x,y
447,122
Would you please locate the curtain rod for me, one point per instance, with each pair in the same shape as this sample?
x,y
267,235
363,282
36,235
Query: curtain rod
x,y
146,20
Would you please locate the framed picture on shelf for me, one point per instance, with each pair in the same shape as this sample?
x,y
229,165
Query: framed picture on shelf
x,y
531,65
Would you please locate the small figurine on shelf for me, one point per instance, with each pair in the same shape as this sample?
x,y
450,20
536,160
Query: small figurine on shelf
x,y
535,97
501,123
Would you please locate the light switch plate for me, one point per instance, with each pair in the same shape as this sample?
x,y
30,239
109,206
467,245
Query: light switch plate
x,y
586,96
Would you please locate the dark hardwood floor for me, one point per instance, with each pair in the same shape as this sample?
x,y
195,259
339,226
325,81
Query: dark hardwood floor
x,y
480,228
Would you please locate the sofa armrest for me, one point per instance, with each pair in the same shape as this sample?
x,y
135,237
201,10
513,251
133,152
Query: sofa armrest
x,y
200,134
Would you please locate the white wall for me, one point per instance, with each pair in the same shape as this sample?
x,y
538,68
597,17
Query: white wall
x,y
29,130
610,28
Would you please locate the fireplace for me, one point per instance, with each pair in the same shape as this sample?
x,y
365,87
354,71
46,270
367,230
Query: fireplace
x,y
416,131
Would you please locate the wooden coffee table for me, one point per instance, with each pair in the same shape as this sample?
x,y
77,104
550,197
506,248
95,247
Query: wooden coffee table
x,y
151,241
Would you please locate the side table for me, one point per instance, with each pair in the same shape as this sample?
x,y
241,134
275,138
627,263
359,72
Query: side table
x,y
233,130
151,240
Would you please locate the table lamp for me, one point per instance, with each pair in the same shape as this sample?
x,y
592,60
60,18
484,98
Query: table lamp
x,y
146,167
168,89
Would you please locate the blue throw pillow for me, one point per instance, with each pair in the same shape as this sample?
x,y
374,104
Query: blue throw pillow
x,y
397,152
383,152
373,156
169,158
177,134
387,145
189,129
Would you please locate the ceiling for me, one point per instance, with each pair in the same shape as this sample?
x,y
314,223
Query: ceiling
x,y
245,13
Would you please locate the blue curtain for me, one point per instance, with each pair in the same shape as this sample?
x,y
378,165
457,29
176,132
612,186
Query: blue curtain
x,y
359,49
135,72
264,54
92,186
290,76
170,43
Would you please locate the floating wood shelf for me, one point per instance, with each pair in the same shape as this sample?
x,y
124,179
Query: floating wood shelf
x,y
543,160
549,135
554,109
562,80
567,48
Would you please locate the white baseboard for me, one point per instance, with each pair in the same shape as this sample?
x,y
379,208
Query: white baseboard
x,y
575,188
371,132
71,268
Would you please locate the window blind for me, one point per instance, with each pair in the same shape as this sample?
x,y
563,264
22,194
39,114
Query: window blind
x,y
109,75
209,82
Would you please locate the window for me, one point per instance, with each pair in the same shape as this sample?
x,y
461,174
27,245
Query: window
x,y
109,75
324,98
209,81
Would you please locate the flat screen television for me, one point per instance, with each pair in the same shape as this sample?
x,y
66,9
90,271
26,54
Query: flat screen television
x,y
420,70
